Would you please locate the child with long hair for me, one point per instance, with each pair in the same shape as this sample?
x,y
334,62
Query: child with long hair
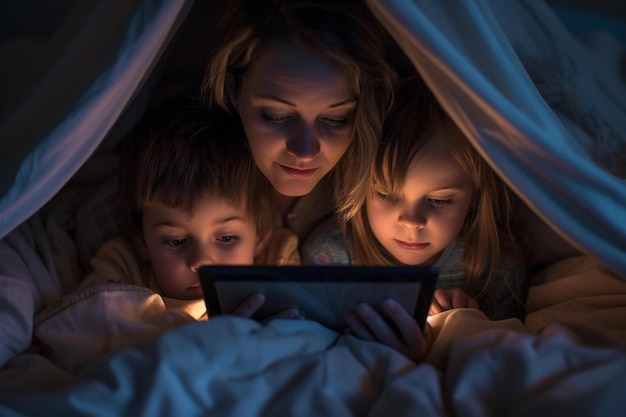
x,y
434,201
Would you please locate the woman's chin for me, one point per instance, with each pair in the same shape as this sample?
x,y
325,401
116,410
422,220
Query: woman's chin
x,y
295,188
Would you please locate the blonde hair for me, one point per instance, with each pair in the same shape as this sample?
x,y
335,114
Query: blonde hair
x,y
179,153
489,225
343,31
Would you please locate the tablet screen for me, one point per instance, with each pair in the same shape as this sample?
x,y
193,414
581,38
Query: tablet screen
x,y
321,293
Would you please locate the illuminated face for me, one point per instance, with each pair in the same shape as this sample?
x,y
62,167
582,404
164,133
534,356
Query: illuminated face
x,y
417,225
177,243
297,109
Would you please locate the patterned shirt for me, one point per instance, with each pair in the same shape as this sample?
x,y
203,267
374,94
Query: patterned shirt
x,y
328,246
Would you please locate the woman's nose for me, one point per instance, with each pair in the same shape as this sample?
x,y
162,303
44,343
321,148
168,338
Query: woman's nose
x,y
303,142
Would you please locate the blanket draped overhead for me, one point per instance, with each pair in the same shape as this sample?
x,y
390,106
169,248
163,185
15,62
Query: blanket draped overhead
x,y
538,104
53,117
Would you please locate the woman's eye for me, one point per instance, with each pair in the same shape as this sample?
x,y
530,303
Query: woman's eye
x,y
228,239
436,202
277,119
176,243
331,121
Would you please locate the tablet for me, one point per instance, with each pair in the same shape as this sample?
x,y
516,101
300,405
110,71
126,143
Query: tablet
x,y
321,293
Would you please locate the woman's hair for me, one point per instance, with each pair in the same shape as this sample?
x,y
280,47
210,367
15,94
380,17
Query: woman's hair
x,y
179,153
489,224
342,31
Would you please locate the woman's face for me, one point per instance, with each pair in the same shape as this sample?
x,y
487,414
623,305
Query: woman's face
x,y
297,109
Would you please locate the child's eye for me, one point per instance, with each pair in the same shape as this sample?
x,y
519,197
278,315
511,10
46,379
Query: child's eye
x,y
228,239
176,243
277,119
382,196
436,202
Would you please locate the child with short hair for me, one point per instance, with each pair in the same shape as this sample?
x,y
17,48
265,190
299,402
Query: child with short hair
x,y
190,195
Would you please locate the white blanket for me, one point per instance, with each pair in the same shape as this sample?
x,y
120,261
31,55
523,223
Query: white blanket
x,y
568,358
235,367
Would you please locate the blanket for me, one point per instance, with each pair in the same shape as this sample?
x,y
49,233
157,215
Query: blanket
x,y
237,367
231,366
580,294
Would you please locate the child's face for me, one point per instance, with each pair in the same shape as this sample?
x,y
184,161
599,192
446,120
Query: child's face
x,y
177,244
417,226
297,110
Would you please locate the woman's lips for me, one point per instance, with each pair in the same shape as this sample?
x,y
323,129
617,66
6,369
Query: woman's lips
x,y
196,289
298,173
411,245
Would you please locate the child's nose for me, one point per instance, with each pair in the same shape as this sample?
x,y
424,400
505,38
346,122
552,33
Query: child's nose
x,y
412,219
198,256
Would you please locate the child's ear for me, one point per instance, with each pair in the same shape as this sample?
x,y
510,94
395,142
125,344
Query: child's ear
x,y
262,242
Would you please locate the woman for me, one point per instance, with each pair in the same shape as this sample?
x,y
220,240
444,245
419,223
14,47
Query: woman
x,y
311,83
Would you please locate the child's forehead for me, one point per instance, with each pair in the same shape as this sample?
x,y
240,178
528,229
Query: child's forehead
x,y
205,220
434,159
445,139
207,204
438,155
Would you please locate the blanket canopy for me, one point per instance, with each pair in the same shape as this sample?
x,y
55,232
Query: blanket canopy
x,y
544,105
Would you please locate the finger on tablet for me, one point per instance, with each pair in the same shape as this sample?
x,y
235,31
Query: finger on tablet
x,y
403,321
250,306
358,328
414,344
442,299
459,298
289,313
434,309
378,326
